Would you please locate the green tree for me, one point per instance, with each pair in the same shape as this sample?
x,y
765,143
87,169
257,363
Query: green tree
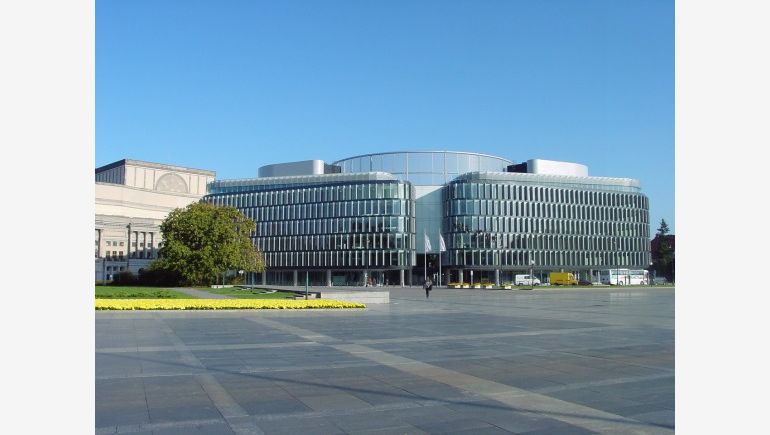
x,y
663,255
202,241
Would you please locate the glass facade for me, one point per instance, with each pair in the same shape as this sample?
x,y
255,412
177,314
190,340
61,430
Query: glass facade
x,y
368,224
353,225
506,225
424,168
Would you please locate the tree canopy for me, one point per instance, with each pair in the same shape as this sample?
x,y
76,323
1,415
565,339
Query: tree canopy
x,y
663,253
202,241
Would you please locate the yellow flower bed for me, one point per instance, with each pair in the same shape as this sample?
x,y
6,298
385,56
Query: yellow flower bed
x,y
221,304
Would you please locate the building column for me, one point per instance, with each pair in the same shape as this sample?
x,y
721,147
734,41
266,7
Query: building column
x,y
328,278
401,277
460,276
497,277
294,275
264,278
99,244
128,249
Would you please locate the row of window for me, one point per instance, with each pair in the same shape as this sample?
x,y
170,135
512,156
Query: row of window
x,y
538,241
377,207
371,224
111,255
118,255
307,195
412,163
121,243
470,190
459,207
474,224
336,242
544,258
341,259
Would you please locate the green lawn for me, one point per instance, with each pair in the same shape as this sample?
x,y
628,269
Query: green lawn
x,y
111,292
248,293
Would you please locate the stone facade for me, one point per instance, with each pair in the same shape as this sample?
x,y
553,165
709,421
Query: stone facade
x,y
131,200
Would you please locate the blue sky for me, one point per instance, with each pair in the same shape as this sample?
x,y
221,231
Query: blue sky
x,y
233,85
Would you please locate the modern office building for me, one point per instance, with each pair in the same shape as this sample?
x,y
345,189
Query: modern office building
x,y
365,219
131,199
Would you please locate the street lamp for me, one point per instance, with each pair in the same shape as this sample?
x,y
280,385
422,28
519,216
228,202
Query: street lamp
x,y
531,272
617,262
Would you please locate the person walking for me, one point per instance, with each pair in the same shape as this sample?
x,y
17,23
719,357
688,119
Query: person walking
x,y
428,287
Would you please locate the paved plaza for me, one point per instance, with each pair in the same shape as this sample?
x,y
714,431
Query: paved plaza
x,y
568,361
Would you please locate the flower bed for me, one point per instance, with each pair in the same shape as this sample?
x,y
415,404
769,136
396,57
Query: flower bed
x,y
221,304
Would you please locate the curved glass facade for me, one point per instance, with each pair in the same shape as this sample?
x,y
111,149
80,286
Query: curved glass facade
x,y
364,225
499,225
424,168
379,219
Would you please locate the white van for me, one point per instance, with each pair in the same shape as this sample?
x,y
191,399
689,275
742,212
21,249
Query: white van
x,y
526,280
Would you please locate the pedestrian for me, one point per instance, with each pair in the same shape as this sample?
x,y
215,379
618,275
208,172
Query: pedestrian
x,y
428,287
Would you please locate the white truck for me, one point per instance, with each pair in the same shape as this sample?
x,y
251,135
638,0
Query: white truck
x,y
526,280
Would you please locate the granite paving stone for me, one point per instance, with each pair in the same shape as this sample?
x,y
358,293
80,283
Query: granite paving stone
x,y
544,361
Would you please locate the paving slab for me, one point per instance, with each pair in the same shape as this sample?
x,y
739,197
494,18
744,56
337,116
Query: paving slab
x,y
463,361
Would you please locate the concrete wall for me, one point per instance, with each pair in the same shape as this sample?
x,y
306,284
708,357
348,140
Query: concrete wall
x,y
306,167
118,200
364,297
553,167
166,180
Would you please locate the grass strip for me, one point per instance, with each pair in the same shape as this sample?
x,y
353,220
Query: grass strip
x,y
105,292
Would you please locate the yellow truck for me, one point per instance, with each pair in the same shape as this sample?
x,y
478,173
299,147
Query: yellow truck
x,y
562,278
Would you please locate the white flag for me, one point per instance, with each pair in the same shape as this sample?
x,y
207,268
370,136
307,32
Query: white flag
x,y
442,245
427,244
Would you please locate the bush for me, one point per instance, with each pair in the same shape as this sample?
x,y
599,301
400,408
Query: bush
x,y
157,277
125,277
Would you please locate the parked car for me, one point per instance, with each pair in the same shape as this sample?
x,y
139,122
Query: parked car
x,y
526,280
562,278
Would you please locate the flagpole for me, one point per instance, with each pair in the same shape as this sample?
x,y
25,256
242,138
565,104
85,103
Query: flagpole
x,y
441,248
425,260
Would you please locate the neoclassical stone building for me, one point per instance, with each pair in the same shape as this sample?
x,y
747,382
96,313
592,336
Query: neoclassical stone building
x,y
132,198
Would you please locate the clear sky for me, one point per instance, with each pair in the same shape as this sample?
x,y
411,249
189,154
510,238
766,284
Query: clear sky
x,y
233,85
